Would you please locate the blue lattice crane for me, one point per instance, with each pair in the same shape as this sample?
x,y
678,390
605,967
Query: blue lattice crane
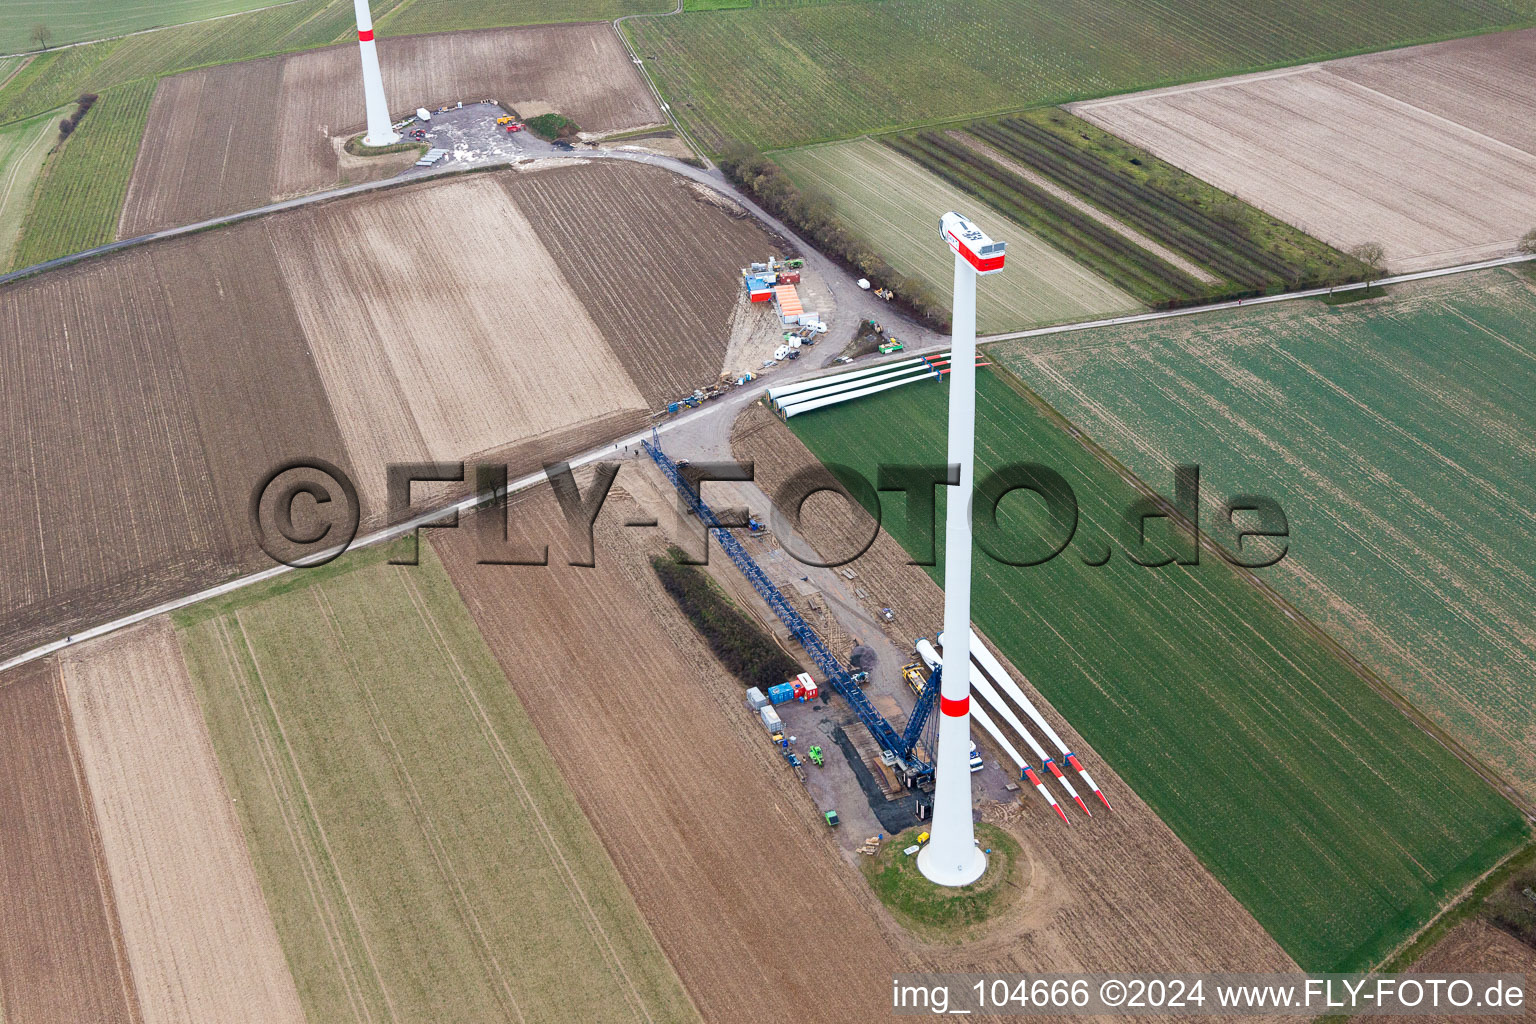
x,y
916,771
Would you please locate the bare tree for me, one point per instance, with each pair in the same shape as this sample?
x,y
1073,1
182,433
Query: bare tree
x,y
1528,241
1374,257
42,35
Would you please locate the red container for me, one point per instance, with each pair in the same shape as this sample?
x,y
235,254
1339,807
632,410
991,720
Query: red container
x,y
789,277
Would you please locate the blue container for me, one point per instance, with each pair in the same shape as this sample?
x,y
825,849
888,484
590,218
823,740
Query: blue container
x,y
781,694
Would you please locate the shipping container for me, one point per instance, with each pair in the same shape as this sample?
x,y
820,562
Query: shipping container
x,y
771,720
781,693
755,699
811,689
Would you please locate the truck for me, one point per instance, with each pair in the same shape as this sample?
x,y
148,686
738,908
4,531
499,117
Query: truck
x,y
771,720
783,693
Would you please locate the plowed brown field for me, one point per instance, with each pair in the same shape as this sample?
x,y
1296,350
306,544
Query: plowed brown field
x,y
1119,891
146,394
1475,947
1428,150
443,328
61,955
230,138
664,304
195,925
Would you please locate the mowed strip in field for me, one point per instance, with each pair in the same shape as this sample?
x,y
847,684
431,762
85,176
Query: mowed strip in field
x,y
895,206
1404,149
422,858
1397,436
195,926
230,138
61,954
1331,816
24,147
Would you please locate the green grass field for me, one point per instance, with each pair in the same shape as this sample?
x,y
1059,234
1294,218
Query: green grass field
x,y
783,76
24,147
1399,435
79,196
1328,813
414,17
422,857
71,21
895,206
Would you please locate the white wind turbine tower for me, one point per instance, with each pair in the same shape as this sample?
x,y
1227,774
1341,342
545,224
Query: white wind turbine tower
x,y
380,133
952,856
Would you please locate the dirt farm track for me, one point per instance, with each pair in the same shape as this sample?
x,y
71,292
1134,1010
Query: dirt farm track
x,y
233,137
153,388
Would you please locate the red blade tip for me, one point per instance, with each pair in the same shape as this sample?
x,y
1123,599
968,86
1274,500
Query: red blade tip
x,y
1061,813
1100,795
1083,806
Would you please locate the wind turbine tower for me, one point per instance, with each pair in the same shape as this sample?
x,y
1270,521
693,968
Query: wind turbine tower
x,y
952,856
379,131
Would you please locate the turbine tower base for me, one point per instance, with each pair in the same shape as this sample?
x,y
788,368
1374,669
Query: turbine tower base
x,y
954,875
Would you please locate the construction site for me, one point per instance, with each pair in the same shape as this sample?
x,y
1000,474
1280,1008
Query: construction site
x,y
684,590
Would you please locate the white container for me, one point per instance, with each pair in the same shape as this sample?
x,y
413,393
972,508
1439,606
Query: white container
x,y
771,720
755,699
422,115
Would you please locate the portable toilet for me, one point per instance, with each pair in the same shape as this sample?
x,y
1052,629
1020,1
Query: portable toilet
x,y
781,694
812,691
771,720
755,699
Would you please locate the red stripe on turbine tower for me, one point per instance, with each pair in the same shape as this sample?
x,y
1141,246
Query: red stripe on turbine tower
x,y
365,35
954,708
